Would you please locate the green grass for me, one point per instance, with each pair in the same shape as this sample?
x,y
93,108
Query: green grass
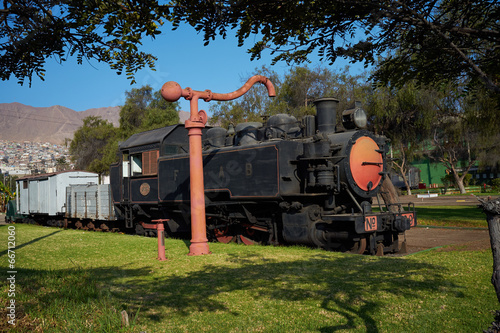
x,y
451,216
75,281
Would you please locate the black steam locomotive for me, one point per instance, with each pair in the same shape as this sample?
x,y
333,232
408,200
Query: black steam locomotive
x,y
283,182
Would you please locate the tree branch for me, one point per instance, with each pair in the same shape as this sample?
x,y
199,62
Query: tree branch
x,y
489,83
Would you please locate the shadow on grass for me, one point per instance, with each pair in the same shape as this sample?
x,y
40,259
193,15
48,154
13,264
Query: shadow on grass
x,y
17,247
66,300
352,287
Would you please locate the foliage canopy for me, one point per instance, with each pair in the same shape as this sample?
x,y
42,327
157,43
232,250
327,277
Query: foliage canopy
x,y
108,31
430,41
295,92
89,142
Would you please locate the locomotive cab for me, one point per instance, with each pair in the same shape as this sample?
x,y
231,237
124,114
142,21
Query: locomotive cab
x,y
135,179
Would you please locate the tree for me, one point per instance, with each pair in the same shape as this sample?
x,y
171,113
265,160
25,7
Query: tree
x,y
132,113
295,94
109,31
89,142
62,164
404,115
6,195
463,135
145,110
159,113
252,106
430,41
301,86
95,144
452,147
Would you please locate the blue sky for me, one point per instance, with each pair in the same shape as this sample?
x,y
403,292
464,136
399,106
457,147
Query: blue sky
x,y
221,66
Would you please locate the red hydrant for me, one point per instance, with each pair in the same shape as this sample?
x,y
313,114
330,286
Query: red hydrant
x,y
172,91
161,241
160,230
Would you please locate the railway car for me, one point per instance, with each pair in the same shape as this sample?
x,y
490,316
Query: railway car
x,y
73,197
89,206
307,182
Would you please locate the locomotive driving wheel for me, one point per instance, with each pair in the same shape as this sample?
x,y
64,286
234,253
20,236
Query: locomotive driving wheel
x,y
251,235
248,236
223,235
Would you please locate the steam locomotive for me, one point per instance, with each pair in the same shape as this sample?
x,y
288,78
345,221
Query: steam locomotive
x,y
309,182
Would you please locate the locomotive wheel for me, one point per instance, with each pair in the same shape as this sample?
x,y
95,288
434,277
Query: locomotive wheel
x,y
223,235
139,230
359,247
252,236
78,225
246,240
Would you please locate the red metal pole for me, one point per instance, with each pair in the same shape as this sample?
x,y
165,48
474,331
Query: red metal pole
x,y
172,91
199,241
161,241
160,230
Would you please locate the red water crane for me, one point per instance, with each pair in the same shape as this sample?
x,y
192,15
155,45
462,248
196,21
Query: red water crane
x,y
171,92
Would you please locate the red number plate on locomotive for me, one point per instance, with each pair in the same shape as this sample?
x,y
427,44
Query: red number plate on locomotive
x,y
370,223
411,217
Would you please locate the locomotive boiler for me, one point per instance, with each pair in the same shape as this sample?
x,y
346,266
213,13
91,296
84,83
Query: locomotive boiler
x,y
308,182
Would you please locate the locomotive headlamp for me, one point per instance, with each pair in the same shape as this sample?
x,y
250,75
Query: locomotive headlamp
x,y
354,117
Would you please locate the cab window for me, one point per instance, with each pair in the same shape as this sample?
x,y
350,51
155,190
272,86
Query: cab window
x,y
145,163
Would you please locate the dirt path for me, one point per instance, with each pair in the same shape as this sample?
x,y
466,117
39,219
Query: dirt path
x,y
449,239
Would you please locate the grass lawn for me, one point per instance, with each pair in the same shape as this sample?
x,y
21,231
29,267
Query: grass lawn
x,y
451,216
76,281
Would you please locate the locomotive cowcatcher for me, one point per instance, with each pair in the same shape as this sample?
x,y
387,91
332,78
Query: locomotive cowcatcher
x,y
306,182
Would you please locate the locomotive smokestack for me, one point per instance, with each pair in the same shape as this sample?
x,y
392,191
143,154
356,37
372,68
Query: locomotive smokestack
x,y
326,114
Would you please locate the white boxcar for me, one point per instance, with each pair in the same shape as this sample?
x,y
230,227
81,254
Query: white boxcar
x,y
46,194
90,202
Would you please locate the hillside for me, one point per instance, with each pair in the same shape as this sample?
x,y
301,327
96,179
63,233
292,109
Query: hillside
x,y
19,122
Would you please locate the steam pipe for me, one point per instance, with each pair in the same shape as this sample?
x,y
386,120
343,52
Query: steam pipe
x,y
171,92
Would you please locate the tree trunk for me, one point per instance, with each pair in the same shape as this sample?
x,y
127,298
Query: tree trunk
x,y
492,210
389,194
407,184
461,187
459,181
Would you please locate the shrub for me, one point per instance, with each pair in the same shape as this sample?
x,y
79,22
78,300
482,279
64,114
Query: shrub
x,y
467,179
496,184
